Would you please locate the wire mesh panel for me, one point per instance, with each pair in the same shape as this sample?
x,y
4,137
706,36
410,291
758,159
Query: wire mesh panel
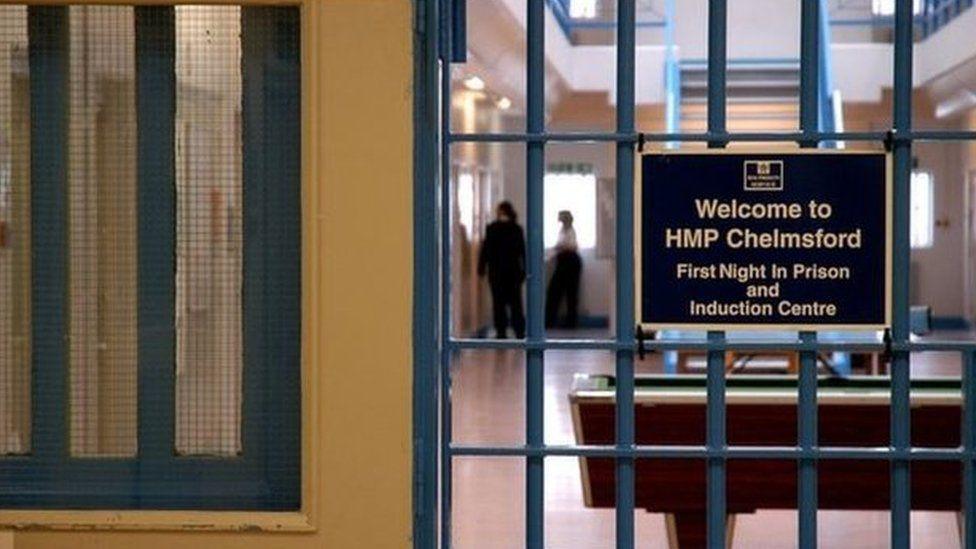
x,y
102,231
129,302
209,353
15,263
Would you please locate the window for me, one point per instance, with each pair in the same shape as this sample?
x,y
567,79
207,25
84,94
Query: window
x,y
582,9
576,193
150,257
922,214
465,201
886,8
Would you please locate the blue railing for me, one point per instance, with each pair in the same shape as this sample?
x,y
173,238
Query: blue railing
x,y
825,84
935,15
938,13
672,76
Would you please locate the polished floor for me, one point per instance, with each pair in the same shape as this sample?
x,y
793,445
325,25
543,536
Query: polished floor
x,y
488,493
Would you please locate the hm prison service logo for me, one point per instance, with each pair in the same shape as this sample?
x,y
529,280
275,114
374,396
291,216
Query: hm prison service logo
x,y
763,175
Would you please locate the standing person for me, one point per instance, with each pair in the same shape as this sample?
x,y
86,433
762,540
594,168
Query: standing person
x,y
502,257
566,276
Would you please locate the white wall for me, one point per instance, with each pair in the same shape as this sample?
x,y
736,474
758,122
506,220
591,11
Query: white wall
x,y
938,271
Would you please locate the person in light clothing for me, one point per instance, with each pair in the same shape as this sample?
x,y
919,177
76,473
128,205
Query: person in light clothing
x,y
565,281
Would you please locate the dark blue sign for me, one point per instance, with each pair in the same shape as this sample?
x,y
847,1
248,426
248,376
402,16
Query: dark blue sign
x,y
798,240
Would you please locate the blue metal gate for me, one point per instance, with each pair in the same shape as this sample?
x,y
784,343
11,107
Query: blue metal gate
x,y
440,41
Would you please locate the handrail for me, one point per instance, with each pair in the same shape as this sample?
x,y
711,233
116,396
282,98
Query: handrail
x,y
935,15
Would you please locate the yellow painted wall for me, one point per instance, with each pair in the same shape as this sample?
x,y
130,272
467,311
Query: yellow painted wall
x,y
357,269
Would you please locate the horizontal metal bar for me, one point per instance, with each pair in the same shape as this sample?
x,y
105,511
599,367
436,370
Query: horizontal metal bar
x,y
942,135
612,24
704,345
766,345
730,452
593,344
768,137
934,345
541,137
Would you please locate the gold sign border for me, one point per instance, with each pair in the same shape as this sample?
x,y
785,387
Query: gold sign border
x,y
779,151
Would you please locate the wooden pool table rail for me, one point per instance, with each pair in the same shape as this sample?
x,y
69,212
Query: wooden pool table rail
x,y
849,415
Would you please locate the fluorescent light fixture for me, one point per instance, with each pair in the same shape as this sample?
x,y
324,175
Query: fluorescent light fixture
x,y
960,101
474,83
504,103
582,9
886,8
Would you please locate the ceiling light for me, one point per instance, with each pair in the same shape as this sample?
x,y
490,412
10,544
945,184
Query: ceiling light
x,y
474,83
504,103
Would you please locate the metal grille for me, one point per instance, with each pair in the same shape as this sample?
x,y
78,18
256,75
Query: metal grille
x,y
15,264
208,231
445,48
102,231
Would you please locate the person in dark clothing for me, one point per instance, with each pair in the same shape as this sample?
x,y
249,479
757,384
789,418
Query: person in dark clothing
x,y
502,258
565,280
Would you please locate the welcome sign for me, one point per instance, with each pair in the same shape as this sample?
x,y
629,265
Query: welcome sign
x,y
800,240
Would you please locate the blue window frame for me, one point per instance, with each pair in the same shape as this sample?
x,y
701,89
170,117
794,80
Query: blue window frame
x,y
440,43
265,474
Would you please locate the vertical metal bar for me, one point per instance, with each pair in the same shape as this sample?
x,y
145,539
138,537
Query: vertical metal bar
x,y
824,77
626,30
969,444
48,52
900,382
715,440
459,31
425,333
807,384
446,356
810,68
715,415
807,430
255,223
156,111
717,20
535,275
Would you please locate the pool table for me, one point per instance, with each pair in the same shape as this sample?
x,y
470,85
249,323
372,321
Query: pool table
x,y
761,411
